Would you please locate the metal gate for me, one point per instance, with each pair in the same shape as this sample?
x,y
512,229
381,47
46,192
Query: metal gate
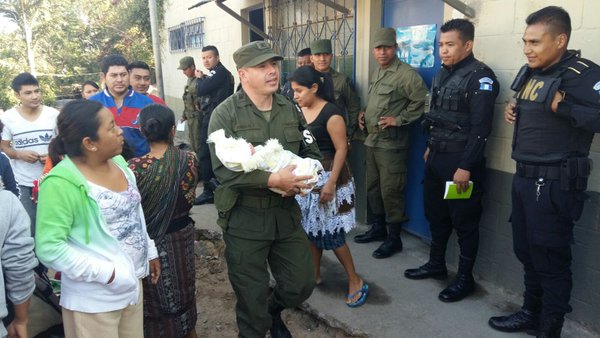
x,y
294,24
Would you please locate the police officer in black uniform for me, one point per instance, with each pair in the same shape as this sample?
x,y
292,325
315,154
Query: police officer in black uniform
x,y
212,88
556,114
458,124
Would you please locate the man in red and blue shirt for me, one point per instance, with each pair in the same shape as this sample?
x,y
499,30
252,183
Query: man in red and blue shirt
x,y
140,78
125,103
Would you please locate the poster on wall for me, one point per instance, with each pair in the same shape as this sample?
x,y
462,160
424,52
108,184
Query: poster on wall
x,y
416,45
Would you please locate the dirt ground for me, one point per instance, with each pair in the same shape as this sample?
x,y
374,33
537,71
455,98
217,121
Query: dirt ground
x,y
216,300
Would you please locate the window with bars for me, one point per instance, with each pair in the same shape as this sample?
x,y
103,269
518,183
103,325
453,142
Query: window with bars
x,y
187,35
294,24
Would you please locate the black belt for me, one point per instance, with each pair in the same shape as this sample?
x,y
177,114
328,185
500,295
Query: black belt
x,y
446,146
264,202
550,172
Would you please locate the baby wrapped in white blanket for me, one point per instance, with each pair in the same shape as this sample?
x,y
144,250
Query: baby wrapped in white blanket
x,y
239,155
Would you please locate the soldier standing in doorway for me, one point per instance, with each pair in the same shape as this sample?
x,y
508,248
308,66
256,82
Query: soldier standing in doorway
x,y
396,98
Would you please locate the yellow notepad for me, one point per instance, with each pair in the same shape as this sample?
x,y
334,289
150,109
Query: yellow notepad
x,y
452,194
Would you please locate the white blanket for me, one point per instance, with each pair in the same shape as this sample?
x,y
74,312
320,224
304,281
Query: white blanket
x,y
239,155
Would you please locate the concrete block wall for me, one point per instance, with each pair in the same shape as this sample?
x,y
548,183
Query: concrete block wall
x,y
499,26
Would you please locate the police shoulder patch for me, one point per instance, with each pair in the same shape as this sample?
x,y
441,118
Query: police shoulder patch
x,y
597,86
486,80
485,83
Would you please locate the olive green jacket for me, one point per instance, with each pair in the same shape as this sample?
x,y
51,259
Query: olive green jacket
x,y
397,91
347,99
190,100
239,117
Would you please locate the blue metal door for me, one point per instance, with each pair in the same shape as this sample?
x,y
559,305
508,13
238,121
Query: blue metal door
x,y
399,13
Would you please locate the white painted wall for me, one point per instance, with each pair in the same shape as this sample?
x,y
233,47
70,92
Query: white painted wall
x,y
221,30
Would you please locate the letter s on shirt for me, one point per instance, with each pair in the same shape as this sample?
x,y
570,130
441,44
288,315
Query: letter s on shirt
x,y
308,137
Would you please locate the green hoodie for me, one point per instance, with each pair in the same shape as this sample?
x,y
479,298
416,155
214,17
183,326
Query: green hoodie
x,y
72,237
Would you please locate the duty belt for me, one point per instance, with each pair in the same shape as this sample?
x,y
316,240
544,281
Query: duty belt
x,y
446,146
550,171
373,129
377,129
264,202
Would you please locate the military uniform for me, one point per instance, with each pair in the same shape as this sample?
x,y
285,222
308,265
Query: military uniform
x,y
344,94
396,91
347,99
260,226
548,192
460,120
191,101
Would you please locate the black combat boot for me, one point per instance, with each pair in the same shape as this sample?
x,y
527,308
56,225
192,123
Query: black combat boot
x,y
378,231
207,196
550,327
391,245
435,267
427,270
463,285
278,328
527,319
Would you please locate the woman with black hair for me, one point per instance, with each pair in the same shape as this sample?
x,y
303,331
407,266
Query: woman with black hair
x,y
167,178
91,227
328,210
88,89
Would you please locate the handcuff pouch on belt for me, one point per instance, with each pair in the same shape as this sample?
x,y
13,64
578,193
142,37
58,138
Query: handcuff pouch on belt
x,y
574,173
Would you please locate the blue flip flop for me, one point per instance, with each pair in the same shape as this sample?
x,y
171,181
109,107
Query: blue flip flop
x,y
364,292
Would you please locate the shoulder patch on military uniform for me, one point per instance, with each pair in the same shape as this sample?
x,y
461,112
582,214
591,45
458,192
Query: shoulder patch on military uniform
x,y
486,83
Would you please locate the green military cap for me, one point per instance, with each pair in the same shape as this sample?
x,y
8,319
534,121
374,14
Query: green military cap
x,y
322,46
253,54
186,62
384,37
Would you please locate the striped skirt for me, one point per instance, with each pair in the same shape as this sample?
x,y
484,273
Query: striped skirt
x,y
170,305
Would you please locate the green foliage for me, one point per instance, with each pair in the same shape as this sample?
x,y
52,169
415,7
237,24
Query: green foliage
x,y
69,38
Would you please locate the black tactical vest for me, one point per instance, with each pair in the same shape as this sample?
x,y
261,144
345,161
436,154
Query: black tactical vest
x,y
448,118
540,135
209,102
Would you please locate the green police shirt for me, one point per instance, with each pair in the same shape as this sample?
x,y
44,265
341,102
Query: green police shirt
x,y
190,100
397,91
345,97
239,117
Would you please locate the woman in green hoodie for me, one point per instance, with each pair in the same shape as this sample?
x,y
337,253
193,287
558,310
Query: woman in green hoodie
x,y
91,227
